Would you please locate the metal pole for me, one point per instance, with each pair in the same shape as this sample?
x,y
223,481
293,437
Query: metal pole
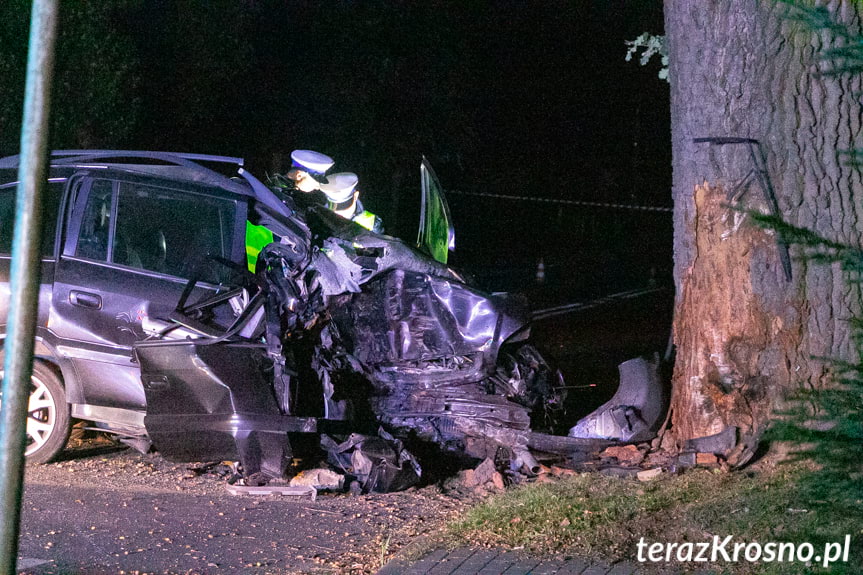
x,y
24,275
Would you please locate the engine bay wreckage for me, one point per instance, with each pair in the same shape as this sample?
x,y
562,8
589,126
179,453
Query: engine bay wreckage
x,y
363,341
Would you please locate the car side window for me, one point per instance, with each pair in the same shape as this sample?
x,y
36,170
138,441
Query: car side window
x,y
157,229
95,234
7,218
50,207
172,232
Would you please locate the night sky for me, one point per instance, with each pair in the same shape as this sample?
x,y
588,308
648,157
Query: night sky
x,y
524,98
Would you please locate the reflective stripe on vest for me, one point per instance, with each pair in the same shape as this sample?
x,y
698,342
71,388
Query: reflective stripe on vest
x,y
256,238
366,219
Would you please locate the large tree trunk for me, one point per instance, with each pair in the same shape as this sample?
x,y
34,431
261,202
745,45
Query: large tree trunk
x,y
745,335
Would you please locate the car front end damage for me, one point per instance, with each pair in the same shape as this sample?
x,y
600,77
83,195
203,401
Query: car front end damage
x,y
345,331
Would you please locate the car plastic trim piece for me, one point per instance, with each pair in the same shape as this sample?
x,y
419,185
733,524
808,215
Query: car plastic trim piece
x,y
115,415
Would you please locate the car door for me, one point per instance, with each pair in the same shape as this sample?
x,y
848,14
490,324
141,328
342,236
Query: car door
x,y
129,249
436,233
50,208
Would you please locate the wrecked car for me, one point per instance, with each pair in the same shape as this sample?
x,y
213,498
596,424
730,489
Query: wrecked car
x,y
152,328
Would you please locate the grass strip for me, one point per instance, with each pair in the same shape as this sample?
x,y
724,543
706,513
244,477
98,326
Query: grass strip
x,y
595,516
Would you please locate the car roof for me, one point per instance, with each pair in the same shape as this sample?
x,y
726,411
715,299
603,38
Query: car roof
x,y
173,165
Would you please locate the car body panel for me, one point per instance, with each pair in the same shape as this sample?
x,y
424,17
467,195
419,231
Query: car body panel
x,y
215,402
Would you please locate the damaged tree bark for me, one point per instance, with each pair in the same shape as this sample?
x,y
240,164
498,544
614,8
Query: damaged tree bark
x,y
744,334
726,373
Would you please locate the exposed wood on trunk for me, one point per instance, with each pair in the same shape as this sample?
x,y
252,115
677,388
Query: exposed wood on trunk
x,y
722,330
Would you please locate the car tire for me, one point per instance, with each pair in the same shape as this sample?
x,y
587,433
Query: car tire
x,y
48,418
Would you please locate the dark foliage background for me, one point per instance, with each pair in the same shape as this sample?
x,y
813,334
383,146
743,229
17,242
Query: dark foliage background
x,y
527,98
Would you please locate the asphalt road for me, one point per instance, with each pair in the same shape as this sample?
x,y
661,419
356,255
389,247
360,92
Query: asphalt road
x,y
96,529
123,512
99,530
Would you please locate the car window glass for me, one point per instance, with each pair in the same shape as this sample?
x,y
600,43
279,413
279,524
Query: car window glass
x,y
172,232
7,219
50,211
96,222
50,206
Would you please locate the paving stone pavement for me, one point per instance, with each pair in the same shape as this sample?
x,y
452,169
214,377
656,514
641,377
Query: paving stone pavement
x,y
466,561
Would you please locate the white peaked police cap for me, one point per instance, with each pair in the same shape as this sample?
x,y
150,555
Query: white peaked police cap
x,y
340,187
312,162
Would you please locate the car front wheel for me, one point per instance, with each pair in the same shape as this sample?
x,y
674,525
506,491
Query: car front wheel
x,y
47,416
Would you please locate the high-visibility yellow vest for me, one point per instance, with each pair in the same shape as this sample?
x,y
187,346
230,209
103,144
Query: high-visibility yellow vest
x,y
256,238
366,219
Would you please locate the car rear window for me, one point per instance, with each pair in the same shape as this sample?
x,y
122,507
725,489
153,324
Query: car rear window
x,y
50,208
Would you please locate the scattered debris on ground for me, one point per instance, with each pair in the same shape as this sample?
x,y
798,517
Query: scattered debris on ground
x,y
378,525
272,489
320,478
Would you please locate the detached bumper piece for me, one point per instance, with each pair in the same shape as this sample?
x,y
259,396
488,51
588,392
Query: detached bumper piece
x,y
215,402
635,412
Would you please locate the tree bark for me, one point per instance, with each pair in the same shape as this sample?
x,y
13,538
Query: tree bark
x,y
745,335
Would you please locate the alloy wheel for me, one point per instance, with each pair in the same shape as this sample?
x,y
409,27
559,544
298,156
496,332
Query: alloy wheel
x,y
41,415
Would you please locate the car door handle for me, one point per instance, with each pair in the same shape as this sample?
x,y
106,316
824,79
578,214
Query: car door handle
x,y
156,382
84,299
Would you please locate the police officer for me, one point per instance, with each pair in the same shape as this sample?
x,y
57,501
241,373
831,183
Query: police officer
x,y
308,174
343,199
308,168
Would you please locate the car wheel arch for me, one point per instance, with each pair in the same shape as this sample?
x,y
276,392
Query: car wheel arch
x,y
63,369
46,352
66,373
